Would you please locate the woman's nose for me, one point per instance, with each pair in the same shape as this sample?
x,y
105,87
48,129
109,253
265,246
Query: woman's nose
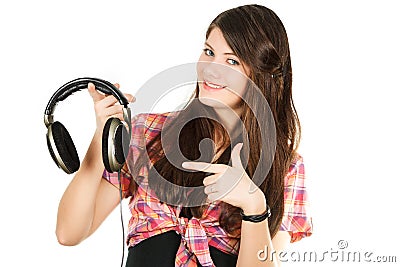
x,y
212,70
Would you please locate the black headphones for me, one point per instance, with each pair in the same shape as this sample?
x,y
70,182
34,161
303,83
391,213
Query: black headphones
x,y
115,139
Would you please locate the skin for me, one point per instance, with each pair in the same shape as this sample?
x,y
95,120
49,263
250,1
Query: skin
x,y
232,184
89,199
220,67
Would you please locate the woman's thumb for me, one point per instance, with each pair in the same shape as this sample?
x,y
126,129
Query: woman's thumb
x,y
96,96
235,156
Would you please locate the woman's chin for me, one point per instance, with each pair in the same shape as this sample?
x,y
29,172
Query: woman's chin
x,y
212,102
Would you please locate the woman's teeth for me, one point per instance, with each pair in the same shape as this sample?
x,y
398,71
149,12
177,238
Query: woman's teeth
x,y
214,85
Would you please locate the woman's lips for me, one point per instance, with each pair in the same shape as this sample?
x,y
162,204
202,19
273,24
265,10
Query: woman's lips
x,y
209,86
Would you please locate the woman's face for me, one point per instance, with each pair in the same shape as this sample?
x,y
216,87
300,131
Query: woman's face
x,y
222,77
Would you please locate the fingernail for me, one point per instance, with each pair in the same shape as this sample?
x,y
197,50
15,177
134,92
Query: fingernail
x,y
185,164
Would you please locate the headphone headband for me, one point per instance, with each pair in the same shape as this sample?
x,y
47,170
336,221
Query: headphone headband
x,y
115,140
82,83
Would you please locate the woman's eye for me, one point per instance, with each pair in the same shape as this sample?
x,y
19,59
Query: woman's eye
x,y
208,52
233,62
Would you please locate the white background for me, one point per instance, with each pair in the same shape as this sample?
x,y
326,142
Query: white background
x,y
345,57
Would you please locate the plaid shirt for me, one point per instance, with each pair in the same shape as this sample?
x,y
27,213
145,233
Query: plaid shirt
x,y
150,217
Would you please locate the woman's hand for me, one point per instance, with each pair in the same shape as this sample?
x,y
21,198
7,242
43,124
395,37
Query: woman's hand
x,y
231,184
106,106
89,199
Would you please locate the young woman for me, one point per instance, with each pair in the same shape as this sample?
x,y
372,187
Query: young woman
x,y
252,196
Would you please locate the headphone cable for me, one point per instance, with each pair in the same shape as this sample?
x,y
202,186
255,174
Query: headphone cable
x,y
122,220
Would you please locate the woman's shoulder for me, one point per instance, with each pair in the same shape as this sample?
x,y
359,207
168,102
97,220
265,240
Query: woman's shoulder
x,y
153,120
296,165
145,126
148,117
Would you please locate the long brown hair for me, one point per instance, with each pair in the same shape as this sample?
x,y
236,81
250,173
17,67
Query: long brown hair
x,y
258,38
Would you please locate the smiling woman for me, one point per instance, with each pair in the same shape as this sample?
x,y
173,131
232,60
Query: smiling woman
x,y
221,76
251,177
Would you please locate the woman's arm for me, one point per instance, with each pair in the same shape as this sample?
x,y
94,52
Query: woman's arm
x,y
256,246
233,185
89,199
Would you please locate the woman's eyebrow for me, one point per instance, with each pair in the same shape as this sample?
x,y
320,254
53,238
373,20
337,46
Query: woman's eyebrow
x,y
227,53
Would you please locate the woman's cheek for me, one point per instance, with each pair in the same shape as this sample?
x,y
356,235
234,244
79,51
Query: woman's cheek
x,y
238,85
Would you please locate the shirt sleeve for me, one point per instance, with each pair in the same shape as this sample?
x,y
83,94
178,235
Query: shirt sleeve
x,y
126,180
145,126
296,218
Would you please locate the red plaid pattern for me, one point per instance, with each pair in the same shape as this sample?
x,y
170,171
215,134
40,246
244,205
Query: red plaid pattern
x,y
295,218
150,217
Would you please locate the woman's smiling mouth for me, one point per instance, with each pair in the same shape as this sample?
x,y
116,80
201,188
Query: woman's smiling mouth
x,y
209,86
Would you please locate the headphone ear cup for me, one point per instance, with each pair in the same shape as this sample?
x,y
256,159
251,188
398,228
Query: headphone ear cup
x,y
62,148
50,145
115,144
121,144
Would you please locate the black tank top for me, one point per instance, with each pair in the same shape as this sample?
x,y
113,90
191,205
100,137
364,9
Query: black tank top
x,y
160,251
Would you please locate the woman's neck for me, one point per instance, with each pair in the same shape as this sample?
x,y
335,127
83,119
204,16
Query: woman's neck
x,y
230,119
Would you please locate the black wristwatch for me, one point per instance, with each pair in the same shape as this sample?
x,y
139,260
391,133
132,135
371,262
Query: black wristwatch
x,y
256,218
